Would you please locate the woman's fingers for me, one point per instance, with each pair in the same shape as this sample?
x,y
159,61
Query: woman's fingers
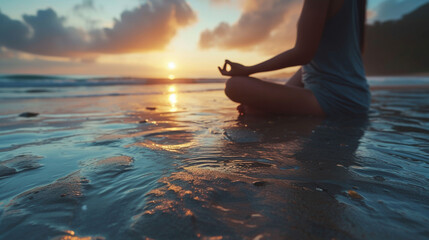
x,y
223,72
232,70
231,64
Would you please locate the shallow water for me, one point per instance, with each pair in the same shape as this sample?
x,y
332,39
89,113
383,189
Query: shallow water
x,y
99,162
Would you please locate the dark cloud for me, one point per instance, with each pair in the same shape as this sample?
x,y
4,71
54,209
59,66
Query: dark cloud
x,y
261,24
43,34
395,9
148,27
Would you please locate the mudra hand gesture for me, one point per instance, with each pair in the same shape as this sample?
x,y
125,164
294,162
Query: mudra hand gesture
x,y
236,69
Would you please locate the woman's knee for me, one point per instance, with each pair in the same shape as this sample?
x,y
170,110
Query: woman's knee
x,y
232,88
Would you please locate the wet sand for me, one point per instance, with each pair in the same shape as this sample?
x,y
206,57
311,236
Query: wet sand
x,y
182,164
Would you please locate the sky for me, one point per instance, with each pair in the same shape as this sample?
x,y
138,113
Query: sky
x,y
153,38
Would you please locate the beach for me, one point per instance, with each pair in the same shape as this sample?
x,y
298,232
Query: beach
x,y
94,158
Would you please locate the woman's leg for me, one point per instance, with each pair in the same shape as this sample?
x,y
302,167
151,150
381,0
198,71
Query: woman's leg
x,y
272,98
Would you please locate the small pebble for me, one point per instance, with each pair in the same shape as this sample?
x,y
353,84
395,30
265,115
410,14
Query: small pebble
x,y
144,121
63,195
319,189
259,237
28,114
354,195
151,108
260,183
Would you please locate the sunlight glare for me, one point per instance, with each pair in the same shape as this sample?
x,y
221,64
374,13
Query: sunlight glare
x,y
172,89
172,98
171,65
171,77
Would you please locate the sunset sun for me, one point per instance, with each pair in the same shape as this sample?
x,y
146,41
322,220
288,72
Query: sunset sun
x,y
171,65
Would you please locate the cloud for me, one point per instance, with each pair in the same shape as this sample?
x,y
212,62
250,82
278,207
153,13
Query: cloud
x,y
268,25
150,26
394,9
85,11
85,5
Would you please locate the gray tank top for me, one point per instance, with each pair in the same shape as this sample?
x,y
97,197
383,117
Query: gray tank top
x,y
337,66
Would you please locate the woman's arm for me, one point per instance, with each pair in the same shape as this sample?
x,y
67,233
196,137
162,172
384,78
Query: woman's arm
x,y
310,30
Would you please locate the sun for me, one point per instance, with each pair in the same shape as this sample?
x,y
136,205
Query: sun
x,y
171,65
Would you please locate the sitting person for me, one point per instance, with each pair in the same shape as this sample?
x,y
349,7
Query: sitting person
x,y
331,81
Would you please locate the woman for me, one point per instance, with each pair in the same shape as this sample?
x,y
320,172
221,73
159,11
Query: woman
x,y
331,81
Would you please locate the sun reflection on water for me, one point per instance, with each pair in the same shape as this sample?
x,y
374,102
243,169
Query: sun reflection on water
x,y
172,89
172,98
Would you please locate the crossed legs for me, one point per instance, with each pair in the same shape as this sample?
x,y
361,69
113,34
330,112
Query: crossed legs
x,y
272,98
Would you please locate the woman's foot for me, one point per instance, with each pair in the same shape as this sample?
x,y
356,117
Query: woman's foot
x,y
246,110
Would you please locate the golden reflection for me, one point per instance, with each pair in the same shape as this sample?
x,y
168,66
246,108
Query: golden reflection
x,y
172,89
172,98
72,236
156,146
171,77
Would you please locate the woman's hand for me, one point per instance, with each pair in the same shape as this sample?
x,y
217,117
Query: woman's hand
x,y
236,69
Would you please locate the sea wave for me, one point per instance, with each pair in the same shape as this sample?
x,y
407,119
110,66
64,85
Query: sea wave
x,y
52,81
18,81
54,87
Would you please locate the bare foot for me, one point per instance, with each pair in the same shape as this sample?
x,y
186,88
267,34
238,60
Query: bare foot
x,y
246,110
